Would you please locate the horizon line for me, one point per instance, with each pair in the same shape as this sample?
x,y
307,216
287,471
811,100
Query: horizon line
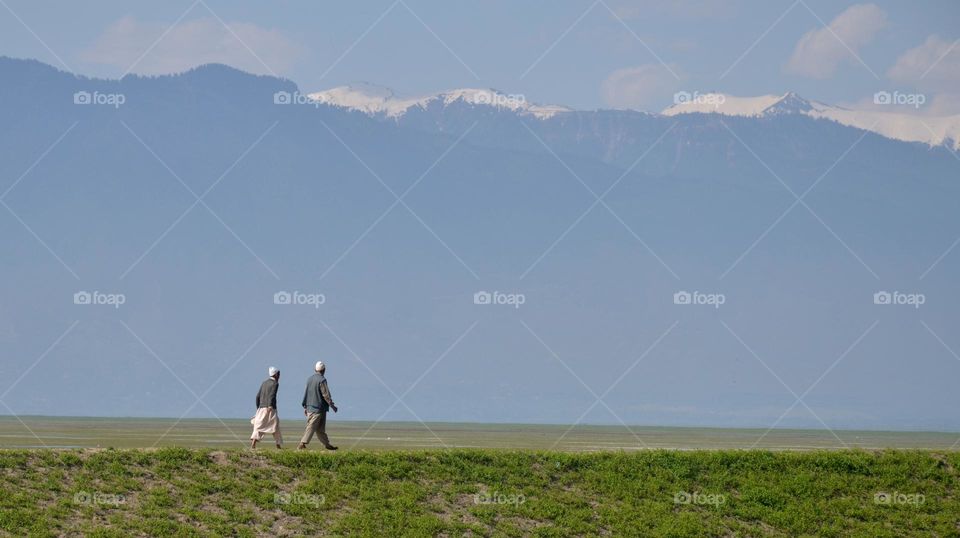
x,y
478,423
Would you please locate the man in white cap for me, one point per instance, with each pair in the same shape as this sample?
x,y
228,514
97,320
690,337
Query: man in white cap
x,y
316,402
266,420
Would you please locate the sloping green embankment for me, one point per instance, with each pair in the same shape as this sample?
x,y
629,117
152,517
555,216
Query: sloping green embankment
x,y
657,493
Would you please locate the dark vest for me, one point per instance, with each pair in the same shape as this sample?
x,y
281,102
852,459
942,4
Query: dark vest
x,y
312,397
267,397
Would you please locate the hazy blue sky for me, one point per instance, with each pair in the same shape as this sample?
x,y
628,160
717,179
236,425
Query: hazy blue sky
x,y
583,54
97,188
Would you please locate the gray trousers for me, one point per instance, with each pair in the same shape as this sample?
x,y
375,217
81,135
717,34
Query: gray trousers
x,y
316,424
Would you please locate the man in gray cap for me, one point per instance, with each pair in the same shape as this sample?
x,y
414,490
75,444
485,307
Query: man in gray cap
x,y
266,420
316,402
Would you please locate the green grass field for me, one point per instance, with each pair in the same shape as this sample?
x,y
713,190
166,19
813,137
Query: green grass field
x,y
457,492
160,477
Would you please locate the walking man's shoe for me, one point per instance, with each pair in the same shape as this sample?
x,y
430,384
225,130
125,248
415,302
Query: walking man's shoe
x,y
330,447
301,446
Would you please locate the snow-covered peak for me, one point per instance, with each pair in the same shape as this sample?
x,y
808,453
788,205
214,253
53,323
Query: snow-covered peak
x,y
791,103
363,96
377,100
934,131
729,105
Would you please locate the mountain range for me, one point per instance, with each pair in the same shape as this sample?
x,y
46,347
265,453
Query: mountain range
x,y
202,197
379,101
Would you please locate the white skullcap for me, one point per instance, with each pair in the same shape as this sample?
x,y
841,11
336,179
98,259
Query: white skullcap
x,y
317,367
272,371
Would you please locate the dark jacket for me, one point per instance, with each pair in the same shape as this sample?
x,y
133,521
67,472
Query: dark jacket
x,y
267,396
316,397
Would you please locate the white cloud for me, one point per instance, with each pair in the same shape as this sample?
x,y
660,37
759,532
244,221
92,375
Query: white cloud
x,y
640,87
191,43
819,53
934,68
935,63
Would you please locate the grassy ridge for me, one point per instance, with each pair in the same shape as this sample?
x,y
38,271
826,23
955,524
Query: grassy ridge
x,y
186,492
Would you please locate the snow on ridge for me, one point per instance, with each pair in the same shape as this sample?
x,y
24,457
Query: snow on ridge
x,y
719,103
729,105
367,98
377,100
933,131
